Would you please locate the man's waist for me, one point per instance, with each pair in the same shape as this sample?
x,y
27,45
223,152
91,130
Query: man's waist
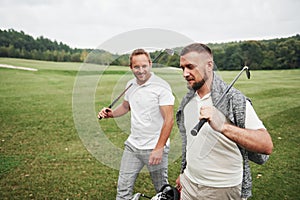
x,y
214,177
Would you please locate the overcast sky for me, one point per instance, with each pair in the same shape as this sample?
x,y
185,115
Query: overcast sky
x,y
88,24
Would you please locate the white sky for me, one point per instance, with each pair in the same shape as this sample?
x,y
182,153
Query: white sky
x,y
88,24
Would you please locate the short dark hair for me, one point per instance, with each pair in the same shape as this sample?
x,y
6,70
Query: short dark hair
x,y
139,52
197,47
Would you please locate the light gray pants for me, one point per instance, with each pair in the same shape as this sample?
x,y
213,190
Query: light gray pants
x,y
193,191
133,161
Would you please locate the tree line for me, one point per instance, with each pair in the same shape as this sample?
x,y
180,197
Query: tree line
x,y
283,53
279,53
20,45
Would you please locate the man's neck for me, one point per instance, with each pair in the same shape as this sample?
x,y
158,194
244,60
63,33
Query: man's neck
x,y
205,89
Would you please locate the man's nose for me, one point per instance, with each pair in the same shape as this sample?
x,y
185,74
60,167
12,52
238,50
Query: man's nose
x,y
141,69
186,72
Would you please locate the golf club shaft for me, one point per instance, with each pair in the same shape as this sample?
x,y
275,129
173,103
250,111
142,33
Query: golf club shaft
x,y
143,195
197,128
116,99
157,57
169,52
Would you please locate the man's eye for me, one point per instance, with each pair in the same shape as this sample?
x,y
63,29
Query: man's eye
x,y
190,66
139,67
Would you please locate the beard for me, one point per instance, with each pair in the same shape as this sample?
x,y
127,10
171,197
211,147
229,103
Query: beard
x,y
197,85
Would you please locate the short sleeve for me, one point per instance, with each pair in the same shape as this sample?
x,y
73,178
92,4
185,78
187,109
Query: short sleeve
x,y
166,97
252,121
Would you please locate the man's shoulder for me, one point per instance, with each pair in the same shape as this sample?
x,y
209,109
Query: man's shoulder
x,y
157,79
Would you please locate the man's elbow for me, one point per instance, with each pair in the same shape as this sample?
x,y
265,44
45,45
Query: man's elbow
x,y
169,121
172,121
269,148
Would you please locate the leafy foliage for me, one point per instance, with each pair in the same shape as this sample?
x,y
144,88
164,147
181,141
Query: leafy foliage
x,y
20,45
282,53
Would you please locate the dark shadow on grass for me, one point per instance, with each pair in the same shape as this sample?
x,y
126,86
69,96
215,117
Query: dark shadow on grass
x,y
83,73
8,163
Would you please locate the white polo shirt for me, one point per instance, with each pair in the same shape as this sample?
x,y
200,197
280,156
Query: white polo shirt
x,y
146,118
213,159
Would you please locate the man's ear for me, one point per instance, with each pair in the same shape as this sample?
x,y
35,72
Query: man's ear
x,y
211,65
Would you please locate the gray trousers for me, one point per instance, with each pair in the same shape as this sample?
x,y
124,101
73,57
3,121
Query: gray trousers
x,y
193,191
132,163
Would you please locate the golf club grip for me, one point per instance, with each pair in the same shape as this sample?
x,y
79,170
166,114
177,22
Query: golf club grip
x,y
197,128
115,101
106,111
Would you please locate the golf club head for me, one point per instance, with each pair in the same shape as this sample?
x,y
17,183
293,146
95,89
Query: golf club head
x,y
136,196
170,52
247,71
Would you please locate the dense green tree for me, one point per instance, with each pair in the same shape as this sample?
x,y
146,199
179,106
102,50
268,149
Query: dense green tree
x,y
281,53
251,53
233,58
19,45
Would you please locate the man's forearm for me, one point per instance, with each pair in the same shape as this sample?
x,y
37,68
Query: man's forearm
x,y
253,140
122,109
164,134
167,113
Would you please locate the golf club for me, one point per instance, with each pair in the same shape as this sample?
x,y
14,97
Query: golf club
x,y
138,195
168,51
196,129
116,99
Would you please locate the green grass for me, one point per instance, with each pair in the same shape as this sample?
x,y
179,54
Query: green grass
x,y
44,156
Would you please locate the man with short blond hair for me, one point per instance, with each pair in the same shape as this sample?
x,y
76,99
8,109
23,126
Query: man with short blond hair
x,y
150,102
